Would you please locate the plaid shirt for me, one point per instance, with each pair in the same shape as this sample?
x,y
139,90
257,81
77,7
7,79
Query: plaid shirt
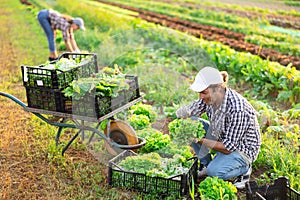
x,y
239,127
60,23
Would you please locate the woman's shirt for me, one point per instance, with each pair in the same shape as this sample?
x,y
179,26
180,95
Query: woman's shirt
x,y
59,23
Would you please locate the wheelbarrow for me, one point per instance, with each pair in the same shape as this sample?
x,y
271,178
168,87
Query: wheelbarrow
x,y
117,134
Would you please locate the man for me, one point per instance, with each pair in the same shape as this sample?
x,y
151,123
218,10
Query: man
x,y
233,131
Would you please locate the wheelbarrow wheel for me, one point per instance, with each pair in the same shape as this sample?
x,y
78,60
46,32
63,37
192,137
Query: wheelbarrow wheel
x,y
121,133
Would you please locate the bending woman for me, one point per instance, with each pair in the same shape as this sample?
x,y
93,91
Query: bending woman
x,y
51,21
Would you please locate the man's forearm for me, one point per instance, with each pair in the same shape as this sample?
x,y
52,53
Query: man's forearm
x,y
215,145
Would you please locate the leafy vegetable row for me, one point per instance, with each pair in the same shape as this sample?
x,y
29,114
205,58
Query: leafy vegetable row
x,y
253,29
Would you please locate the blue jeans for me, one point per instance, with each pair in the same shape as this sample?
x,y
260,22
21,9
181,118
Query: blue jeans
x,y
224,166
43,17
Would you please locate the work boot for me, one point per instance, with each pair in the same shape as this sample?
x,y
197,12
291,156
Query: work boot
x,y
52,59
242,179
202,172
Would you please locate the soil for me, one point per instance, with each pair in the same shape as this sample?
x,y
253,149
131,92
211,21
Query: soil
x,y
162,125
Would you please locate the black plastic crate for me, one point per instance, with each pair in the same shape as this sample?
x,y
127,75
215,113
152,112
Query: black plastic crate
x,y
91,105
46,99
95,106
176,186
280,190
38,76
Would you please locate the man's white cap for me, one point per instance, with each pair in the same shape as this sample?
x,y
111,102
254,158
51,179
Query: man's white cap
x,y
206,77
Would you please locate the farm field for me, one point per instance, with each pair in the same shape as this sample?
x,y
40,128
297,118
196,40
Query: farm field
x,y
231,30
160,41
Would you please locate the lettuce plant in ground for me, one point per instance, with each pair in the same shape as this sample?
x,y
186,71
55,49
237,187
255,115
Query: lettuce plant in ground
x,y
143,109
138,122
213,188
155,140
170,111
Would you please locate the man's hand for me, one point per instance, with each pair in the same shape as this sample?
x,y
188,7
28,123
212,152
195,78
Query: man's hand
x,y
183,112
193,140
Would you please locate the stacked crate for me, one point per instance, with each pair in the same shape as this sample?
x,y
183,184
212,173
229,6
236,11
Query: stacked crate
x,y
44,86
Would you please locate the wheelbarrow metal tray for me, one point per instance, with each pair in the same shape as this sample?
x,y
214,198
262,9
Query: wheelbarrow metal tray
x,y
85,118
40,76
177,186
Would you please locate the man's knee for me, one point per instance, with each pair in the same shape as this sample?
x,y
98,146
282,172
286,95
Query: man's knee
x,y
211,171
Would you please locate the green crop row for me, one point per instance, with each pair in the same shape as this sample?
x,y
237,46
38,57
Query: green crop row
x,y
266,78
285,48
292,3
256,31
257,9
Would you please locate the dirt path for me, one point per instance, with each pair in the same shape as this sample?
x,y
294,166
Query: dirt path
x,y
14,126
25,170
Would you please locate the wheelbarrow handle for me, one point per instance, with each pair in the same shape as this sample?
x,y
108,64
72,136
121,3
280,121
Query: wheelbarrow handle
x,y
18,101
14,99
141,141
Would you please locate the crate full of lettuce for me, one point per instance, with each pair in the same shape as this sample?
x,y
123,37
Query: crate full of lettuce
x,y
101,93
60,73
151,173
44,83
